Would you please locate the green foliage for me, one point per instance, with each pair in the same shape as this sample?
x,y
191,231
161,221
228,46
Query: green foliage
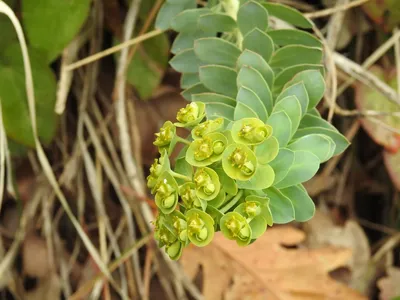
x,y
255,135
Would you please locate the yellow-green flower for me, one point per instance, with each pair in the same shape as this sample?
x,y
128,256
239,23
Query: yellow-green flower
x,y
166,193
250,131
239,162
165,138
207,183
207,150
200,227
191,115
235,227
207,127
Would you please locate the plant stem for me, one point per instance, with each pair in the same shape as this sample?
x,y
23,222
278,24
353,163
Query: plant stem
x,y
180,176
231,203
182,140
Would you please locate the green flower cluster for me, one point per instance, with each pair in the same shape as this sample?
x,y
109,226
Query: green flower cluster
x,y
254,134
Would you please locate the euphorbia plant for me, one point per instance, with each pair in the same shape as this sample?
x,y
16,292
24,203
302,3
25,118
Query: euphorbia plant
x,y
254,134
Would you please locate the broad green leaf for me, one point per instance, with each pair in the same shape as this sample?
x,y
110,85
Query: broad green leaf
x,y
185,61
186,21
314,112
185,40
304,207
216,51
281,207
281,125
195,89
288,74
291,106
50,25
184,168
189,79
314,83
292,55
213,98
228,184
283,37
304,167
256,61
216,22
148,65
282,163
260,42
298,90
262,179
252,79
258,226
249,98
310,120
288,14
216,110
219,200
320,145
252,15
219,79
169,10
243,111
341,142
268,150
14,103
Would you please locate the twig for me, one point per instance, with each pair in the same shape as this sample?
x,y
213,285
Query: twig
x,y
112,50
330,11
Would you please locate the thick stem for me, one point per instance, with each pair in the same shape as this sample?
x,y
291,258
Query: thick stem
x,y
231,203
180,176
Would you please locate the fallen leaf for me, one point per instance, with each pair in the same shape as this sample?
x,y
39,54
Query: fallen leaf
x,y
392,163
389,285
322,232
368,98
268,270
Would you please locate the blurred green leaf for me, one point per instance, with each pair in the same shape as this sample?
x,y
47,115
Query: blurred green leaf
x,y
185,40
259,42
320,145
219,79
283,37
169,10
13,96
186,21
216,51
304,167
288,14
50,25
252,15
213,98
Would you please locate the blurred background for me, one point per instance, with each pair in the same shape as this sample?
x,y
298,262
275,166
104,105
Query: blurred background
x,y
75,218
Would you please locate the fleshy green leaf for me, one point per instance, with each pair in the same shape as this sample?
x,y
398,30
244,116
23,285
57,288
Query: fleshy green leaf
x,y
291,106
185,61
186,21
213,98
256,61
228,184
169,10
320,145
288,14
260,42
252,79
314,112
13,96
340,141
252,15
304,207
281,124
262,179
281,207
250,99
185,40
310,120
282,164
268,150
193,219
50,25
314,83
216,51
216,22
195,89
219,200
219,79
258,226
288,74
215,110
283,37
184,168
243,111
298,90
304,167
189,79
292,55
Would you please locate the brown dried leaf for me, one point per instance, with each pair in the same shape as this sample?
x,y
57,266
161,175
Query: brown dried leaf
x,y
35,257
48,288
389,285
267,270
392,163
